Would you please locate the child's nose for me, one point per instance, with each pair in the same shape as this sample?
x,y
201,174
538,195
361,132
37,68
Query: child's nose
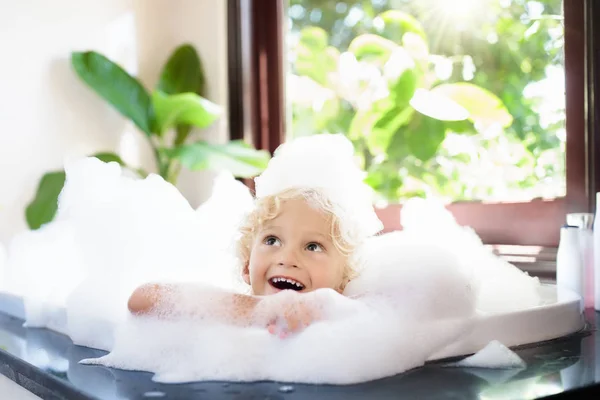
x,y
287,258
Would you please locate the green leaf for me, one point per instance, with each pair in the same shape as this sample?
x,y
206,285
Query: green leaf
x,y
45,203
462,126
397,149
236,157
115,85
184,108
385,180
314,58
182,132
361,124
403,89
112,157
436,105
314,37
43,207
396,23
416,46
369,46
396,115
109,157
483,106
425,136
182,73
384,129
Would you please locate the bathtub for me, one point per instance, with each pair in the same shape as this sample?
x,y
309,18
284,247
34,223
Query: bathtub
x,y
559,314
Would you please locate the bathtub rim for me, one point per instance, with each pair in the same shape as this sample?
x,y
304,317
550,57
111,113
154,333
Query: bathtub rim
x,y
560,314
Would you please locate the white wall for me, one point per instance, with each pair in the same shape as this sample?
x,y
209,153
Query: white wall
x,y
47,114
162,25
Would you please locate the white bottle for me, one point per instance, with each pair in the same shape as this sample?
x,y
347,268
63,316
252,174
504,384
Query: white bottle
x,y
585,221
597,254
569,262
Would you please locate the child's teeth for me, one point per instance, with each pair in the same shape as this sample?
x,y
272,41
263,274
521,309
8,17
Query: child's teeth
x,y
290,281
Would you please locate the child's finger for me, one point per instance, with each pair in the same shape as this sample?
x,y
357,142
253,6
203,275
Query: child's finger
x,y
292,320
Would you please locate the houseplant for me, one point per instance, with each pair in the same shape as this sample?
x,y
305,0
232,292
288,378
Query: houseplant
x,y
175,106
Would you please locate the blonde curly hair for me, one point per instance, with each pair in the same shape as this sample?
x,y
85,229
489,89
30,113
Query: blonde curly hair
x,y
269,207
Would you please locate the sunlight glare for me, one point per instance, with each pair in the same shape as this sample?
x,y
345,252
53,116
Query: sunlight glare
x,y
458,10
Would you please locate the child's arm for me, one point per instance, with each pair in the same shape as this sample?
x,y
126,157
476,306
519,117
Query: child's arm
x,y
279,316
192,301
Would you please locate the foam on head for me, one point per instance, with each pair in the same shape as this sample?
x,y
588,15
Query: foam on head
x,y
325,163
321,170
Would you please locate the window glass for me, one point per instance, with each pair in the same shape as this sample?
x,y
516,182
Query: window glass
x,y
462,100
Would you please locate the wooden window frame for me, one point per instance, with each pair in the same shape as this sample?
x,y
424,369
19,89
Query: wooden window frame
x,y
257,114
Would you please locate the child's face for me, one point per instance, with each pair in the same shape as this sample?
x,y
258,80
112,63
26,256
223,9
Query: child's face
x,y
294,251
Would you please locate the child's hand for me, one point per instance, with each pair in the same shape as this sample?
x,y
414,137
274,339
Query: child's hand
x,y
293,318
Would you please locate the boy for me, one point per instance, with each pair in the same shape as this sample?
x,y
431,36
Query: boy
x,y
312,210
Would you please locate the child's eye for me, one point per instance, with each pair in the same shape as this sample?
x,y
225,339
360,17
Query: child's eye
x,y
272,241
314,247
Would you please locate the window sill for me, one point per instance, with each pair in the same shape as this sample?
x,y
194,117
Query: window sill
x,y
535,260
533,223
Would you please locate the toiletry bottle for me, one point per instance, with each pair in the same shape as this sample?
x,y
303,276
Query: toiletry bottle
x,y
569,262
597,255
585,221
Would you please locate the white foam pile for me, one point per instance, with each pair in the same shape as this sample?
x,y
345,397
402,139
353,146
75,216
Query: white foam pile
x,y
494,355
418,292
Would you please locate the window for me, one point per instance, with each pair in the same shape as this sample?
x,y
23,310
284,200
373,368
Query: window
x,y
258,62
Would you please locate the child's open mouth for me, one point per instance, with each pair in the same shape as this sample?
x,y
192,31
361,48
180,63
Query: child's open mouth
x,y
281,283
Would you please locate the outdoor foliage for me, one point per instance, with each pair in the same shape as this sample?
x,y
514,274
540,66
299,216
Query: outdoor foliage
x,y
176,106
436,102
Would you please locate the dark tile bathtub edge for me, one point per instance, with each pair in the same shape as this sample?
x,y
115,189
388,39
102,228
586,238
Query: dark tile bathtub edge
x,y
37,381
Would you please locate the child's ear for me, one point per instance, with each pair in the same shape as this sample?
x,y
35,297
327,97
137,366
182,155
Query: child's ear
x,y
246,273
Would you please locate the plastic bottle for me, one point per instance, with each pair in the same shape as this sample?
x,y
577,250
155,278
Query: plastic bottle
x,y
597,255
569,262
585,221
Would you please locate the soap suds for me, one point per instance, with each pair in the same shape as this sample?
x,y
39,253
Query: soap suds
x,y
325,352
419,291
494,355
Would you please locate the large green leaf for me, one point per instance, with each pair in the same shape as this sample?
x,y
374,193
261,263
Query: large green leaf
x,y
424,137
184,108
384,129
313,57
483,106
403,88
45,203
416,46
182,73
438,106
361,124
385,179
109,157
314,37
396,23
236,157
115,85
369,46
396,115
